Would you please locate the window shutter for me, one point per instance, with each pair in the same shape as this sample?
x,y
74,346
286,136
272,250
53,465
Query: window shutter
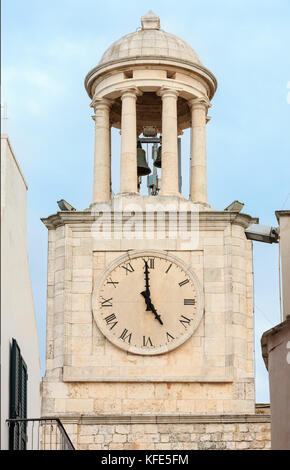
x,y
18,398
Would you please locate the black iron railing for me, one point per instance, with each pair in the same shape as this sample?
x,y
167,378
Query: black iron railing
x,y
38,434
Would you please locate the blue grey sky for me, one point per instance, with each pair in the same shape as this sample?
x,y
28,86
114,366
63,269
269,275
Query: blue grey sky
x,y
48,48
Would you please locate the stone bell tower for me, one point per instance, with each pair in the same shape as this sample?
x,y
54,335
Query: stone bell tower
x,y
150,78
149,332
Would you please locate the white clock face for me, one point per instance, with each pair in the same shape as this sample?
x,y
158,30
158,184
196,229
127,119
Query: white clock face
x,y
147,302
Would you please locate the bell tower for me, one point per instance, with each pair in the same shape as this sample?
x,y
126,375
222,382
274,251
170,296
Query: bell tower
x,y
150,79
150,297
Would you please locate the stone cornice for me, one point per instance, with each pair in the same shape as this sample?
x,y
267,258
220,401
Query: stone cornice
x,y
102,70
282,213
163,419
88,217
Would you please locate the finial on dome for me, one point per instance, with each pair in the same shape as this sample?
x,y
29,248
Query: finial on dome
x,y
150,21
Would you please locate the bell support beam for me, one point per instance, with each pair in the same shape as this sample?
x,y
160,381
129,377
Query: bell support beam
x,y
102,158
169,185
198,178
128,167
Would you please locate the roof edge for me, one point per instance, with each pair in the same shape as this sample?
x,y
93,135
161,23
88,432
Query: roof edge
x,y
5,137
94,73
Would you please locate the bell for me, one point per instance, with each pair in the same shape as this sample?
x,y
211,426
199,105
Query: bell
x,y
157,162
142,165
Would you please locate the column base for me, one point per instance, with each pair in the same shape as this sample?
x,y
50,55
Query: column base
x,y
127,193
205,204
171,193
95,204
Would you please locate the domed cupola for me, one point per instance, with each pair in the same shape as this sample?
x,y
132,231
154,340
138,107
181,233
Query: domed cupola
x,y
150,79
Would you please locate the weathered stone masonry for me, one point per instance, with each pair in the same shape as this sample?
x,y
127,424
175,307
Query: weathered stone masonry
x,y
233,432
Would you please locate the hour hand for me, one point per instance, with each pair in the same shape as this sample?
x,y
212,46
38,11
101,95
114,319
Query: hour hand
x,y
151,307
146,296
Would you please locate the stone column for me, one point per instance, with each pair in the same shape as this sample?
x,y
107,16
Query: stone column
x,y
102,161
198,183
128,167
169,184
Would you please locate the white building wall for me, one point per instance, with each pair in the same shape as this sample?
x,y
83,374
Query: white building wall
x,y
17,308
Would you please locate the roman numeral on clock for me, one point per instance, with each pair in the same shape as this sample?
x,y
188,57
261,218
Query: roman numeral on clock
x,y
189,301
151,263
107,302
113,282
182,283
168,268
147,342
110,320
169,337
129,268
185,321
126,336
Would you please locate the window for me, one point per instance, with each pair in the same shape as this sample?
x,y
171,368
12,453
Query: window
x,y
18,398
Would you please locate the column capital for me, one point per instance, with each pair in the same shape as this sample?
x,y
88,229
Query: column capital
x,y
167,91
101,102
133,92
199,102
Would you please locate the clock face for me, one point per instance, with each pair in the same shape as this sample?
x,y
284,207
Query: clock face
x,y
147,302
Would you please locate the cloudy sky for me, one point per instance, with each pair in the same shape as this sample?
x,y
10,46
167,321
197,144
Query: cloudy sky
x,y
48,48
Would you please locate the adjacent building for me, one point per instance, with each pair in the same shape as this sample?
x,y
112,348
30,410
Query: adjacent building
x,y
276,347
20,361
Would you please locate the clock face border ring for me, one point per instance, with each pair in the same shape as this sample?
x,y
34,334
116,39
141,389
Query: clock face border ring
x,y
127,257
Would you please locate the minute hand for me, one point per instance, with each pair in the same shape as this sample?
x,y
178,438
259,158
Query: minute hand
x,y
147,277
146,272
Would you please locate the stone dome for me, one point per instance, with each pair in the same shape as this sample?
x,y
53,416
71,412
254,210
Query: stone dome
x,y
151,42
150,58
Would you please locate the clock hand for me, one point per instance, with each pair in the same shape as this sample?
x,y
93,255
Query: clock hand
x,y
150,307
147,283
157,316
147,299
146,295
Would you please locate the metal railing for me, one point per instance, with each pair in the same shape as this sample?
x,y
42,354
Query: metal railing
x,y
38,434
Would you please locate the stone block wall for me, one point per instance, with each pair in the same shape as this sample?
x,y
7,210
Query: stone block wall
x,y
61,398
211,373
110,399
170,433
